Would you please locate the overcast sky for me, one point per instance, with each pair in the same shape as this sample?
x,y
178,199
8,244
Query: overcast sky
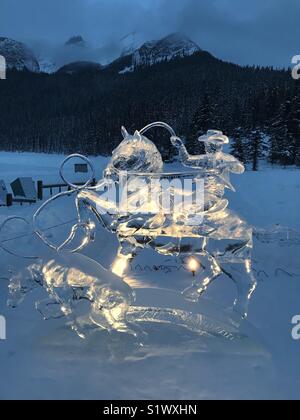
x,y
242,31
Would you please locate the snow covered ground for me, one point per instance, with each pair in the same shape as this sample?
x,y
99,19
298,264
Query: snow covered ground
x,y
45,360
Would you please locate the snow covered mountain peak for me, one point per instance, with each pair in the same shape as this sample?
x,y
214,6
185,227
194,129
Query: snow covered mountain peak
x,y
77,41
171,47
18,55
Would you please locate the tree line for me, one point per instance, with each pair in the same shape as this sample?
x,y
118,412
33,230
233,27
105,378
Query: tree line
x,y
258,108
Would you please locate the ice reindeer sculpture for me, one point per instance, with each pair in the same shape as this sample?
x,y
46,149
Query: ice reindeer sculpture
x,y
147,207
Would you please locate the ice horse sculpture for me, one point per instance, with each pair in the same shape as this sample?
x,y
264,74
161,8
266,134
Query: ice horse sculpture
x,y
143,206
222,242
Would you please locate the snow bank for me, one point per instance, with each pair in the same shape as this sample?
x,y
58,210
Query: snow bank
x,y
45,360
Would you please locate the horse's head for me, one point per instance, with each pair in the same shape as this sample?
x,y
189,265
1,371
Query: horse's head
x,y
137,154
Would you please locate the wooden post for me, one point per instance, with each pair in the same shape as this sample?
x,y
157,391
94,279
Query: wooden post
x,y
9,200
40,190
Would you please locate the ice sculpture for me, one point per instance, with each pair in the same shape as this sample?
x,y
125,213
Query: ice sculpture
x,y
71,278
135,154
183,213
222,242
228,237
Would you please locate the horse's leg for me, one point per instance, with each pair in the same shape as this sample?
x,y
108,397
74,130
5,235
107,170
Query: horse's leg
x,y
92,204
67,299
72,316
127,251
209,272
83,206
86,211
244,279
49,308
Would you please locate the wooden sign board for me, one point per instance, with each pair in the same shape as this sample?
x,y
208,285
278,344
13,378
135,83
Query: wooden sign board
x,y
81,168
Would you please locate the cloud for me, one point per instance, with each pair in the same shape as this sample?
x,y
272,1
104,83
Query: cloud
x,y
253,32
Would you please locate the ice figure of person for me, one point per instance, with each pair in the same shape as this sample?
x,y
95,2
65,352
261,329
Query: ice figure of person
x,y
228,237
214,161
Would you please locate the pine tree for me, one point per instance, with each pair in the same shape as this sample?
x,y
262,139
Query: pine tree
x,y
294,129
256,147
237,145
285,134
204,119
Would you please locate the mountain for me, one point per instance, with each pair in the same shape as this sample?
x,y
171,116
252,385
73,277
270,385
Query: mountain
x,y
46,64
129,44
77,41
167,49
75,50
172,80
192,93
18,55
80,67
